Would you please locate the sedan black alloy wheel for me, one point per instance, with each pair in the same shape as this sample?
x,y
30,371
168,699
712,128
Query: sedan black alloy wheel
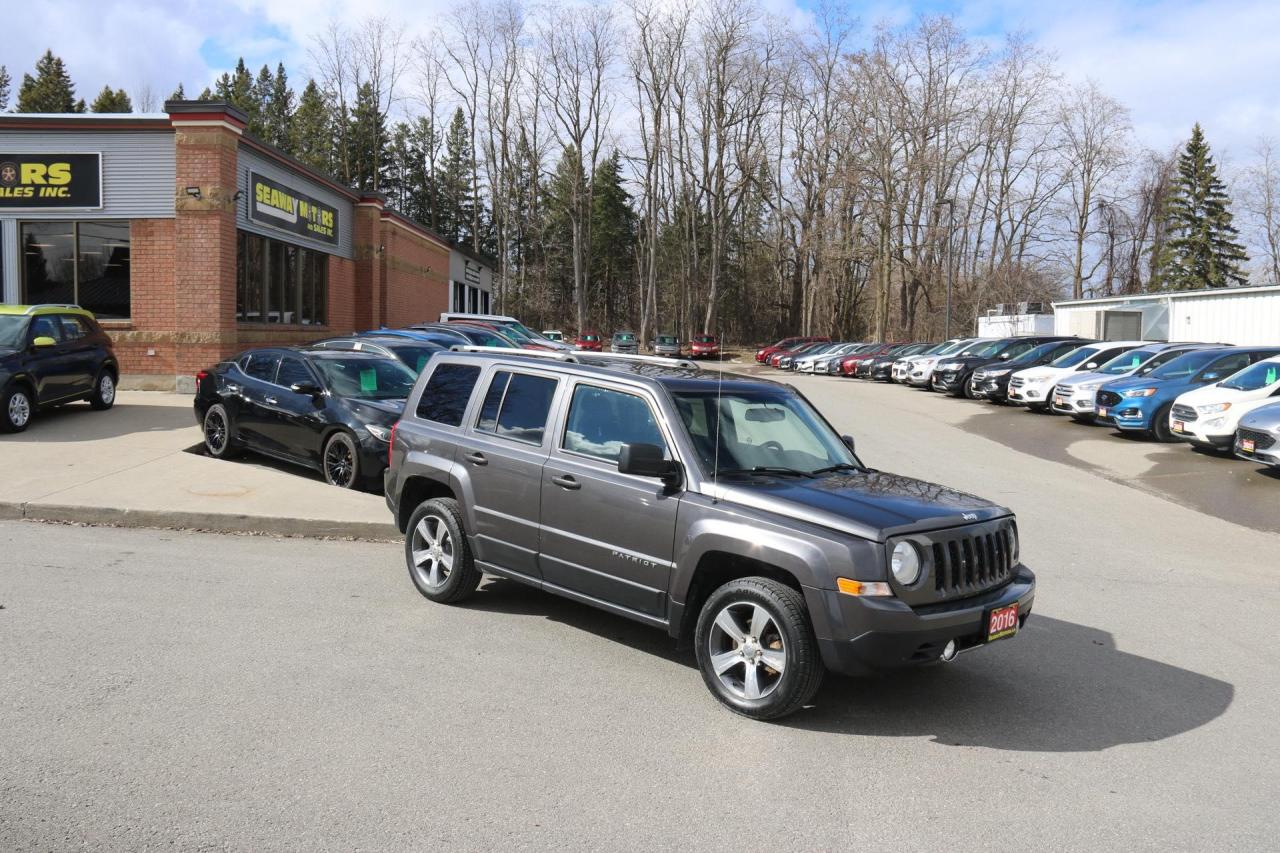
x,y
340,464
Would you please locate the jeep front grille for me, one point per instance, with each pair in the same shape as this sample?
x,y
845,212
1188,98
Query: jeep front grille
x,y
1184,413
971,564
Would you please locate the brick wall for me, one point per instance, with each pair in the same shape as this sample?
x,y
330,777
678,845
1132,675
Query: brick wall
x,y
415,276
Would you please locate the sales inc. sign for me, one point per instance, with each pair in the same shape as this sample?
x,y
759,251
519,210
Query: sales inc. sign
x,y
272,203
50,181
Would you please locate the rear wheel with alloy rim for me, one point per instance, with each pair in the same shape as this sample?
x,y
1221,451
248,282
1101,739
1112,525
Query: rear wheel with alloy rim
x,y
341,461
217,433
15,409
756,648
104,392
436,551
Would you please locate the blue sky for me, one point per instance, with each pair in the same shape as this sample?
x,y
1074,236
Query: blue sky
x,y
1172,62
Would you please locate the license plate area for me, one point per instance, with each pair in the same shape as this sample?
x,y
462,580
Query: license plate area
x,y
1102,411
1247,445
1001,622
1179,426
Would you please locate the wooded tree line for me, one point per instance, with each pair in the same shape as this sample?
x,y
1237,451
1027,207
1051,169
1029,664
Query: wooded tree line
x,y
714,168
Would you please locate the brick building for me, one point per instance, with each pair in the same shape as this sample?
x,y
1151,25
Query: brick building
x,y
191,240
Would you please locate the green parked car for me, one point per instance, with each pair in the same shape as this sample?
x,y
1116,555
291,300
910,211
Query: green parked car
x,y
49,355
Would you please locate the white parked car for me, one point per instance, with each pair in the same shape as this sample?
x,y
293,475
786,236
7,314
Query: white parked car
x,y
1074,395
1209,416
902,367
921,372
1032,387
819,362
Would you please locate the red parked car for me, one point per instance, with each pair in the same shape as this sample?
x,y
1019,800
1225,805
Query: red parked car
x,y
589,341
704,346
786,345
849,366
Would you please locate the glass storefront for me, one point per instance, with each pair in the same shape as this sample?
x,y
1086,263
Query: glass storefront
x,y
280,283
81,263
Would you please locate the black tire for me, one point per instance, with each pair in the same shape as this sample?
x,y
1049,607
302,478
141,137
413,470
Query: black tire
x,y
340,461
1160,424
218,438
103,395
788,631
17,407
434,541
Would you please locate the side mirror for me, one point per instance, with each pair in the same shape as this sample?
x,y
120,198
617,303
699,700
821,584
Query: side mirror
x,y
1211,376
43,341
848,442
1091,365
646,460
311,389
1004,356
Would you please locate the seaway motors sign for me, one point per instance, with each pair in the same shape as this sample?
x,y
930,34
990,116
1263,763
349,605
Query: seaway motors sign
x,y
44,181
274,204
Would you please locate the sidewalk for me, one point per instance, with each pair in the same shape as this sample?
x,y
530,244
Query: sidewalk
x,y
129,466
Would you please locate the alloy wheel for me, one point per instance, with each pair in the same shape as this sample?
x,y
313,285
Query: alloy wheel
x,y
339,462
19,409
747,650
432,549
107,389
215,432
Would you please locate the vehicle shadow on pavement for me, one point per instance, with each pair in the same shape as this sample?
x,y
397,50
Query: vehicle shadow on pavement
x,y
78,422
1058,687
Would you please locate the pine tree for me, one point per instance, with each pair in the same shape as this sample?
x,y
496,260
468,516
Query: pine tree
x,y
368,137
311,129
278,112
456,202
206,95
1202,250
613,237
238,90
50,91
178,94
6,87
109,101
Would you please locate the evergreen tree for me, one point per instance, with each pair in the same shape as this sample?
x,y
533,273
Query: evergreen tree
x,y
1202,250
557,233
368,140
263,86
6,87
50,91
278,111
456,202
311,130
613,237
206,95
178,94
239,90
109,101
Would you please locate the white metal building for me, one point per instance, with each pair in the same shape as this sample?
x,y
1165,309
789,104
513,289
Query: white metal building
x,y
1231,315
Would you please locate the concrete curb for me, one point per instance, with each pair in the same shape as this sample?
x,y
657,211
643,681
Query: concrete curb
x,y
312,528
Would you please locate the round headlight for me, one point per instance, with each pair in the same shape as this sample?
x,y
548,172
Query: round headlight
x,y
905,563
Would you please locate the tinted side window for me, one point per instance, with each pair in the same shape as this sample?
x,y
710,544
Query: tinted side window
x,y
73,327
444,400
261,365
488,421
525,408
292,370
1228,364
602,421
46,326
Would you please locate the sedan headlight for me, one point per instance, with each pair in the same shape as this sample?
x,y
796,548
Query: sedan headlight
x,y
1213,408
905,563
1002,372
1138,392
1089,387
381,433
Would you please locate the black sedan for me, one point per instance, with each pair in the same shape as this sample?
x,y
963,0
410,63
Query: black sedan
x,y
330,410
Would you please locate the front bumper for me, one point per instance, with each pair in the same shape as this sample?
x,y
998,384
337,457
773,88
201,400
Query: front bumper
x,y
1030,394
1072,403
858,635
1262,455
948,382
1201,435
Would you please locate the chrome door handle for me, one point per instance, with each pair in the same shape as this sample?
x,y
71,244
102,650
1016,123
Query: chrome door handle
x,y
476,459
270,401
566,482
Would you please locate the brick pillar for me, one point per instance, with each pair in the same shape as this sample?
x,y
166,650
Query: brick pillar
x,y
370,291
204,310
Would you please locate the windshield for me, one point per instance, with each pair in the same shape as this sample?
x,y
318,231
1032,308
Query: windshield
x,y
414,357
704,339
972,348
953,347
517,335
589,337
759,428
485,338
13,331
667,339
1126,362
624,336
987,350
1259,376
1076,356
367,378
1185,365
517,326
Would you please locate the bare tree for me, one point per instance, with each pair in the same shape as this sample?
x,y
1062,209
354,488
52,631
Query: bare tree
x,y
1261,199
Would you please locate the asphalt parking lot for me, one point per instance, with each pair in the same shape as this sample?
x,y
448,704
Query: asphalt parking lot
x,y
192,690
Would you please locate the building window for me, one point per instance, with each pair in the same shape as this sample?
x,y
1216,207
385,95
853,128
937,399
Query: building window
x,y
80,263
459,301
279,282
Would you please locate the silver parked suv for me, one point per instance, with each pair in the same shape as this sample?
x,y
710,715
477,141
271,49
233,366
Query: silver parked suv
x,y
721,508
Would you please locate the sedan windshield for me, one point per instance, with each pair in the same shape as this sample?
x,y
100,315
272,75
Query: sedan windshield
x,y
667,339
1075,357
1185,365
1126,362
762,429
704,339
485,338
13,331
624,337
590,337
988,350
1261,375
414,357
367,378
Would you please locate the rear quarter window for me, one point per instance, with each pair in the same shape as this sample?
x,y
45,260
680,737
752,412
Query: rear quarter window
x,y
444,399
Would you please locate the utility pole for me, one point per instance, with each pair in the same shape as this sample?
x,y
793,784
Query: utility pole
x,y
951,227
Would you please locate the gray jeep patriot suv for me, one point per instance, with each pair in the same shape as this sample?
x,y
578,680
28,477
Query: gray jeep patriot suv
x,y
722,508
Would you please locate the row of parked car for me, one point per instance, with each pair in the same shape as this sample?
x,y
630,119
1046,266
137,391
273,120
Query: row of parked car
x,y
626,342
1210,395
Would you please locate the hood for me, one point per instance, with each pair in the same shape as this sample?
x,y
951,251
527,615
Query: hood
x,y
1265,417
1125,382
1042,374
1084,378
385,412
870,504
5,352
1214,394
971,360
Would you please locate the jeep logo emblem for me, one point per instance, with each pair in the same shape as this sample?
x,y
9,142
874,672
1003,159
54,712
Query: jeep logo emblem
x,y
969,516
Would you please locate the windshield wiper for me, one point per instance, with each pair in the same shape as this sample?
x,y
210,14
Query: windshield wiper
x,y
843,466
767,469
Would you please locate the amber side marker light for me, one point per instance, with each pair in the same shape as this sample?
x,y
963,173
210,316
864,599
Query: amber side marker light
x,y
864,588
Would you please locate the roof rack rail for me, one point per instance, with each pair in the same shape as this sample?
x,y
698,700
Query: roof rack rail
x,y
580,357
31,308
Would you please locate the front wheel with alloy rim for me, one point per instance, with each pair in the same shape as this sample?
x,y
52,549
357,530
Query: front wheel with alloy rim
x,y
756,649
104,392
439,559
1160,424
217,433
341,462
15,409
